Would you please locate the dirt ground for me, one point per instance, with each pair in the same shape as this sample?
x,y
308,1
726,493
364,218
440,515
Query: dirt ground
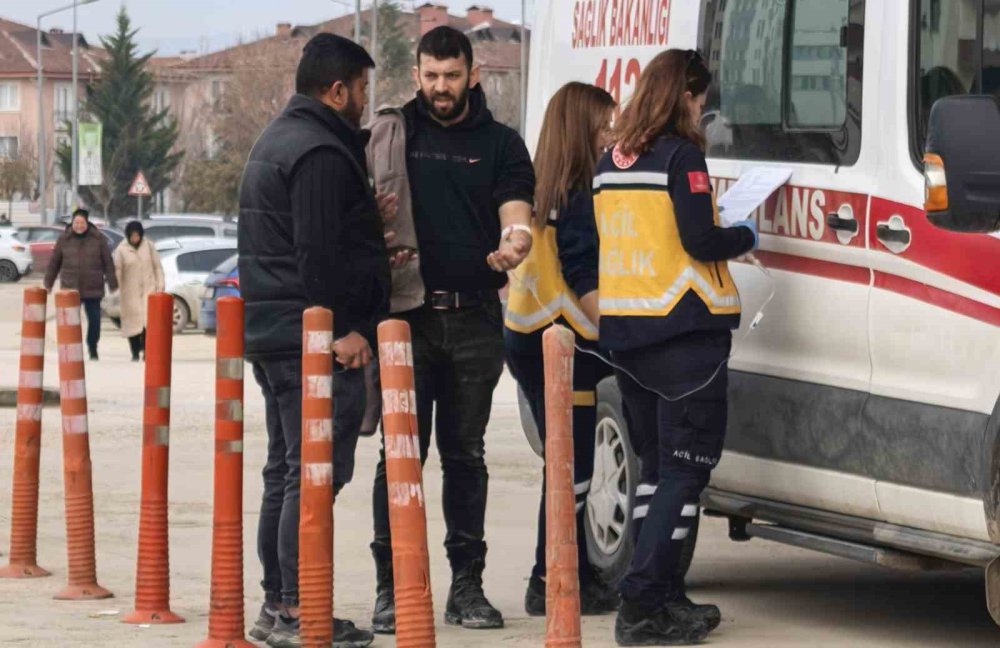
x,y
771,595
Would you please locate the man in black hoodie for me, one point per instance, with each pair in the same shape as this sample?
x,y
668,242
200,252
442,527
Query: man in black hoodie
x,y
310,234
472,185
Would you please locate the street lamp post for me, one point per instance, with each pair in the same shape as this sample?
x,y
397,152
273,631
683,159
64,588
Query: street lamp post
x,y
524,67
40,100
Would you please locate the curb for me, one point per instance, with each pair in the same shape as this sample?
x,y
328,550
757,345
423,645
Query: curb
x,y
8,397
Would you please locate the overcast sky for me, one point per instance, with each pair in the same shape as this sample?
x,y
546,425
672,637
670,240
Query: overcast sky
x,y
170,26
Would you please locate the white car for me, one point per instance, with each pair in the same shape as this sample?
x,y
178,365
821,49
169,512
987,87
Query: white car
x,y
15,257
187,262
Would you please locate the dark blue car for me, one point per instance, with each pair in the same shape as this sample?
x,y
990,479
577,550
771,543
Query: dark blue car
x,y
223,281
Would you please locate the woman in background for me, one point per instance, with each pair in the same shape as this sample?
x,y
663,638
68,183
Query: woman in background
x,y
137,267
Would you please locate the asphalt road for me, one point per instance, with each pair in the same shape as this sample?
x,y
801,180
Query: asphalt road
x,y
771,595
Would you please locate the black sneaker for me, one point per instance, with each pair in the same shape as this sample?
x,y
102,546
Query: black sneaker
x,y
285,633
708,615
262,627
346,635
534,597
467,604
93,354
636,627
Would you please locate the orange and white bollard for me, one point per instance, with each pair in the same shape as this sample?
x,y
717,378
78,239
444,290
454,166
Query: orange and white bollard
x,y
562,581
28,441
225,618
316,499
152,576
77,469
407,513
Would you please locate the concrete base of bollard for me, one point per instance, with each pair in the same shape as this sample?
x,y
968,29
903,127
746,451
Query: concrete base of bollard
x,y
23,571
152,618
83,593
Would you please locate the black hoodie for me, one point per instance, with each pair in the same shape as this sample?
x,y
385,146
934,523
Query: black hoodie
x,y
460,175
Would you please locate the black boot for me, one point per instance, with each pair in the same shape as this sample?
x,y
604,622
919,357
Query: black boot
x,y
467,604
384,616
534,597
595,596
707,615
639,625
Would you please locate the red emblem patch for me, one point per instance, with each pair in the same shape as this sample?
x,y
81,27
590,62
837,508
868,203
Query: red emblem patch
x,y
699,182
621,160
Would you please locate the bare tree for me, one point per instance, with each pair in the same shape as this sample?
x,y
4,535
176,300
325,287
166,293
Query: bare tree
x,y
17,175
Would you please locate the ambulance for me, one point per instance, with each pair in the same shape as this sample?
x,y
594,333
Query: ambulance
x,y
865,409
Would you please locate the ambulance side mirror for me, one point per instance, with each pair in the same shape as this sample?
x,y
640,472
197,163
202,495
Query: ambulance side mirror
x,y
962,164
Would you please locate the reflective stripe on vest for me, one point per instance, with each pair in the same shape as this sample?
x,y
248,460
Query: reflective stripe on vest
x,y
644,268
538,293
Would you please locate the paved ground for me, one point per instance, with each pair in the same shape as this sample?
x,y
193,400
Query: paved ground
x,y
771,595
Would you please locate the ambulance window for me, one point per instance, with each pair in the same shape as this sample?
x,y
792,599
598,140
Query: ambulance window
x,y
786,79
818,94
949,58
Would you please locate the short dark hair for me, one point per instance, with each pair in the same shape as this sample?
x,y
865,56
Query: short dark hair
x,y
445,43
328,58
80,211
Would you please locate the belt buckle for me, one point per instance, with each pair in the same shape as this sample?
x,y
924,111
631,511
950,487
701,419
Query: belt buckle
x,y
442,300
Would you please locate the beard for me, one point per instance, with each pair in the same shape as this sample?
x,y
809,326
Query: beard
x,y
458,104
353,112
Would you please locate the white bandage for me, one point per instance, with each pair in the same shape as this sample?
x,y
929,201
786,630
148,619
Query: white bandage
x,y
517,227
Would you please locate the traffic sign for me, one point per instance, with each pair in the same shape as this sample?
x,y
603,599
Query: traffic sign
x,y
139,186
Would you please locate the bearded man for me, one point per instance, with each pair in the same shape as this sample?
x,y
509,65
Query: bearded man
x,y
310,234
472,185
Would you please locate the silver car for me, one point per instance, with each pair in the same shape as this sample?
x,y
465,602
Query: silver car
x,y
168,226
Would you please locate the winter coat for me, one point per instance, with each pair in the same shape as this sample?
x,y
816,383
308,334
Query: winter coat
x,y
139,273
82,263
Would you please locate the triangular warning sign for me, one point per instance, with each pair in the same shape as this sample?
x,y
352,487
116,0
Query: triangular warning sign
x,y
139,186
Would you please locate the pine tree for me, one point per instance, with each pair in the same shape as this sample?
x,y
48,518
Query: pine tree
x,y
395,55
136,137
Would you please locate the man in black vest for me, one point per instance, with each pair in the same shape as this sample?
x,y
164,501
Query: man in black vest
x,y
472,185
310,234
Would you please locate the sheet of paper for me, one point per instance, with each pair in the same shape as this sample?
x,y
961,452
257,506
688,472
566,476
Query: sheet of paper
x,y
750,191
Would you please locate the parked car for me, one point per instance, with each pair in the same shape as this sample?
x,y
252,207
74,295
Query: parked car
x,y
186,263
160,227
223,282
15,258
42,239
864,412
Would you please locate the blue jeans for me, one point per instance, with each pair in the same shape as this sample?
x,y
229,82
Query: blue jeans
x,y
280,381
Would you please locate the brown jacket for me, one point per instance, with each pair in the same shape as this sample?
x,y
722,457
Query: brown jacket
x,y
83,263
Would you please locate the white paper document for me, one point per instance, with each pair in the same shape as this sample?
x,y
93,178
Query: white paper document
x,y
750,191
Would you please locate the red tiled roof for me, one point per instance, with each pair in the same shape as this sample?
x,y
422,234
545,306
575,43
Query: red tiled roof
x,y
18,51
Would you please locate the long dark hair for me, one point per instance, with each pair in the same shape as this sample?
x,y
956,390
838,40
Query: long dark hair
x,y
658,103
567,146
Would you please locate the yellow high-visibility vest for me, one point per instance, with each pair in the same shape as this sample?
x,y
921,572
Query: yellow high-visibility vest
x,y
644,268
538,294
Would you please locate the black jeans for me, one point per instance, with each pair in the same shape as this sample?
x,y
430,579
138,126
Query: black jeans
x,y
92,307
458,359
588,370
678,442
137,343
280,381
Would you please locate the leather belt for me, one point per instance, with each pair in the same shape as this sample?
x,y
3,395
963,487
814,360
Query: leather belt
x,y
444,300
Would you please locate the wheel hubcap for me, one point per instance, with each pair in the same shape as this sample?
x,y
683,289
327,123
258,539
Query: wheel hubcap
x,y
607,503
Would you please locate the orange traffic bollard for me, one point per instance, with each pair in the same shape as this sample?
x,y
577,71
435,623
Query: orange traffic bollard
x,y
407,515
27,441
152,574
316,500
562,582
77,469
225,618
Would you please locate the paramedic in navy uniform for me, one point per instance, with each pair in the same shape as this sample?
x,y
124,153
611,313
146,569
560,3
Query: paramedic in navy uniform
x,y
667,308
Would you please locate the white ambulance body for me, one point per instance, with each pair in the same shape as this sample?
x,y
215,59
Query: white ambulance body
x,y
865,406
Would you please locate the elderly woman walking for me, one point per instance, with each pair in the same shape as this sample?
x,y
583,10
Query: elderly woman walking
x,y
137,267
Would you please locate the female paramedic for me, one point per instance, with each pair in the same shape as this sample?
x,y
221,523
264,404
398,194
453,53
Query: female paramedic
x,y
558,283
667,307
